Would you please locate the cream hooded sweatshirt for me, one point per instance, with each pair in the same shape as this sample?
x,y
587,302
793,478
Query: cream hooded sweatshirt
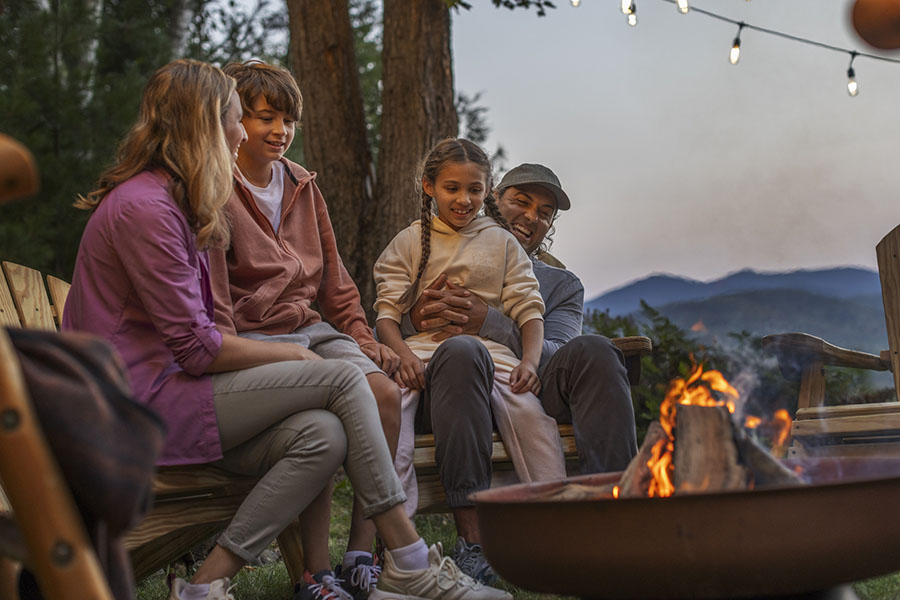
x,y
482,257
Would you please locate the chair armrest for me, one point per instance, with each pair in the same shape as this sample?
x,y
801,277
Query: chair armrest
x,y
795,351
633,347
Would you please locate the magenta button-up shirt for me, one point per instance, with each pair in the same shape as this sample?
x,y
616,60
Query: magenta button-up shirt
x,y
141,283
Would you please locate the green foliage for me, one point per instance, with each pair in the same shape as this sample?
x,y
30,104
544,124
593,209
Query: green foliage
x,y
540,6
740,358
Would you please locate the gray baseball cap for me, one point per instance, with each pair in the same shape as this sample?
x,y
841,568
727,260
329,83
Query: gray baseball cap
x,y
531,173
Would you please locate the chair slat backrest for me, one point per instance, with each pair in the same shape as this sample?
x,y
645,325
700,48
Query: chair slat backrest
x,y
59,291
30,296
8,315
888,253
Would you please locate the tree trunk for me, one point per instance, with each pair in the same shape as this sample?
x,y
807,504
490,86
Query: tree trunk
x,y
417,112
334,127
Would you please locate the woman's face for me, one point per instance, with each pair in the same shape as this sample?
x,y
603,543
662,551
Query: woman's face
x,y
235,134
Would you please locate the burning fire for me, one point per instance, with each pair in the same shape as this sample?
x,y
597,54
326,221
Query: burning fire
x,y
698,389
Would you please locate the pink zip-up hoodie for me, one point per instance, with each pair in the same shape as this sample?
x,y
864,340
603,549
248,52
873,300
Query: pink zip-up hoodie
x,y
267,281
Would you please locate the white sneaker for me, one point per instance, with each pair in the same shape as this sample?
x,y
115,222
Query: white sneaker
x,y
441,580
218,590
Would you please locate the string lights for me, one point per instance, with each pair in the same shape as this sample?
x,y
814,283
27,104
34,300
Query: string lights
x,y
852,87
735,55
629,8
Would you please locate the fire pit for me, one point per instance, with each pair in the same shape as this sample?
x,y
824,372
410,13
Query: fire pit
x,y
842,527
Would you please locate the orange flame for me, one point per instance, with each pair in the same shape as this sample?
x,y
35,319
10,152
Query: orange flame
x,y
696,390
752,422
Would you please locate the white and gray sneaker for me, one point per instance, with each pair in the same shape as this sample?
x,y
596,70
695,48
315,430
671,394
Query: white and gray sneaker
x,y
442,580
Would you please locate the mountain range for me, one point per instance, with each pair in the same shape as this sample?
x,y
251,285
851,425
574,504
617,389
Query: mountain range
x,y
842,305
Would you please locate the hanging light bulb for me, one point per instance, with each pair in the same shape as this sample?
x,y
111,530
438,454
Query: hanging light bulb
x,y
735,54
852,86
683,6
627,6
632,16
575,3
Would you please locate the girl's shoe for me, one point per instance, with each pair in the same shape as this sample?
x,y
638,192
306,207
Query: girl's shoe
x,y
321,586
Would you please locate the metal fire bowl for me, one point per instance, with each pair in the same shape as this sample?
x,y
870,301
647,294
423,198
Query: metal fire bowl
x,y
843,527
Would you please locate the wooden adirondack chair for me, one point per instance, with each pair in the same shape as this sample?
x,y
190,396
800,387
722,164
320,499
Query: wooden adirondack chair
x,y
853,429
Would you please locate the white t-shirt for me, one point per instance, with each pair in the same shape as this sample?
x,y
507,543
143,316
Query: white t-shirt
x,y
268,198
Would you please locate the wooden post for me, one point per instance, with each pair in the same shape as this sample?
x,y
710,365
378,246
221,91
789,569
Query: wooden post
x,y
888,254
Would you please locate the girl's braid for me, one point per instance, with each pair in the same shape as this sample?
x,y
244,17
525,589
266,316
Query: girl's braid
x,y
491,208
411,293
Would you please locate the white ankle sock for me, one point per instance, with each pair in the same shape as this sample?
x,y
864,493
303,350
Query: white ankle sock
x,y
350,558
195,591
411,558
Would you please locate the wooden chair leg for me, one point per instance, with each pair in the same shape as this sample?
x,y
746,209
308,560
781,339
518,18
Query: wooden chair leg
x,y
58,547
292,551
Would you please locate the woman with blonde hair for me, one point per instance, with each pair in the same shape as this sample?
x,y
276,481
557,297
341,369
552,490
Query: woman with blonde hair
x,y
254,408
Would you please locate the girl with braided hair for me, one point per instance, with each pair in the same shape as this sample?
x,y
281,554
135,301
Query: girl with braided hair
x,y
479,253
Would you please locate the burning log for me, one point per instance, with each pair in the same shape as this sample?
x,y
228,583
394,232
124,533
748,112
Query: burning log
x,y
635,480
695,446
706,456
765,469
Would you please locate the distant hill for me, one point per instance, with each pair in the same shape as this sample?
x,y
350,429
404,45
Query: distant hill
x,y
856,323
659,290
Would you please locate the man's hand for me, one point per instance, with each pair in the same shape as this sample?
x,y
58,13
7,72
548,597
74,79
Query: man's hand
x,y
386,359
524,378
449,308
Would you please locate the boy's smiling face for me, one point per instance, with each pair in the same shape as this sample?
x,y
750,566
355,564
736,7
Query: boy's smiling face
x,y
269,132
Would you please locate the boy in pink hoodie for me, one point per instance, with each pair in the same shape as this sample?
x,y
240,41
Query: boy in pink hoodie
x,y
283,257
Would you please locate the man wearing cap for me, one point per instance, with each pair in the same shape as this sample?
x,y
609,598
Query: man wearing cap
x,y
583,377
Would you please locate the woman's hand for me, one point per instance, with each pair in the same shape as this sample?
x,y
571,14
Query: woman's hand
x,y
411,373
386,359
524,378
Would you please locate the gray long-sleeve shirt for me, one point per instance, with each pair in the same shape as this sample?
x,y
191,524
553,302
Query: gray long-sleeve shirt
x,y
563,296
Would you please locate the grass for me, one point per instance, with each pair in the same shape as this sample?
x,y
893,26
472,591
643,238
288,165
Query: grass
x,y
270,582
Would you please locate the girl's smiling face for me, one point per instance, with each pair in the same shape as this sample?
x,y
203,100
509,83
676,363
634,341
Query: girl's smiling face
x,y
458,191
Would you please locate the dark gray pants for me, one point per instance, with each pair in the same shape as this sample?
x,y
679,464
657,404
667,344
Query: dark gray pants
x,y
585,383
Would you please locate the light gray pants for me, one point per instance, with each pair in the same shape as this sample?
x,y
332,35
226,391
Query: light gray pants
x,y
292,424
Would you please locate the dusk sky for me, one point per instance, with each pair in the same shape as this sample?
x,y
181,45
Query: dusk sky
x,y
677,161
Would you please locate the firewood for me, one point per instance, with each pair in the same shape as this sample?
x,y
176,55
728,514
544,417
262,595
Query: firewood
x,y
765,469
706,456
635,481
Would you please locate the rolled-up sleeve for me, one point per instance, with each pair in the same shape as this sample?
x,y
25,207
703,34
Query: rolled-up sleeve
x,y
158,253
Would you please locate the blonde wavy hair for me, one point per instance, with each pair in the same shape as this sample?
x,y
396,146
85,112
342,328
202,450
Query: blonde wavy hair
x,y
179,129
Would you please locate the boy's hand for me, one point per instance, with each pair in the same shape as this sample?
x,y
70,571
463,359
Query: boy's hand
x,y
524,378
386,359
411,373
